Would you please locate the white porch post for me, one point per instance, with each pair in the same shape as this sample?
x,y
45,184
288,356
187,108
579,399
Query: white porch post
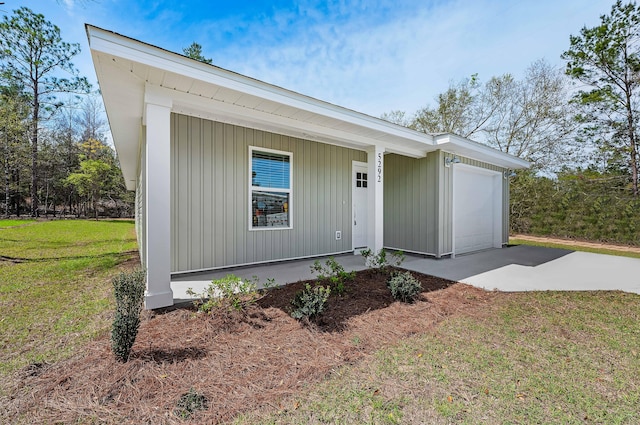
x,y
375,158
158,215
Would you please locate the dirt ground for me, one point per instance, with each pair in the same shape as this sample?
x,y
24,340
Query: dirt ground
x,y
239,362
578,242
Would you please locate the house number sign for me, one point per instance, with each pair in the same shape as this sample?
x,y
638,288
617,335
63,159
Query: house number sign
x,y
379,170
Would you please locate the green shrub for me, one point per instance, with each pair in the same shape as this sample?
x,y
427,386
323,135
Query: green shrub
x,y
189,403
379,262
310,302
404,287
334,274
129,293
229,292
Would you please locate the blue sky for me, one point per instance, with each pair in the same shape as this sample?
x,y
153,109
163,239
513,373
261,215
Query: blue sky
x,y
372,56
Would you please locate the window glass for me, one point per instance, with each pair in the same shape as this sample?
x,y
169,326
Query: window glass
x,y
270,189
270,170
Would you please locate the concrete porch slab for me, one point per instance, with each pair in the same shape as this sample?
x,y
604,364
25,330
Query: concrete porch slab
x,y
282,272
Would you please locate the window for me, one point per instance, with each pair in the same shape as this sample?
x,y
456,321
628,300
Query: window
x,y
270,189
361,179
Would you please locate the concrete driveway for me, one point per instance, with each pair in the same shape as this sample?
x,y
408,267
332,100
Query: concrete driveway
x,y
530,268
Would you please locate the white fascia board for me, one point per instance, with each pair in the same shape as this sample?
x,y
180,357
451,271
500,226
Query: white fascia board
x,y
127,48
474,150
227,112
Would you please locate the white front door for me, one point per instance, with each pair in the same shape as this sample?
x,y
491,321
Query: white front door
x,y
360,207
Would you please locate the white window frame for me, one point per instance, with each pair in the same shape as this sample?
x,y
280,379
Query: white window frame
x,y
263,189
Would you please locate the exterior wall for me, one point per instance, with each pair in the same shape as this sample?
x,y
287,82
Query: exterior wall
x,y
411,203
418,211
210,197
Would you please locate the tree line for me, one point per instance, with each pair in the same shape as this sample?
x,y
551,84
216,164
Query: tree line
x,y
578,126
56,160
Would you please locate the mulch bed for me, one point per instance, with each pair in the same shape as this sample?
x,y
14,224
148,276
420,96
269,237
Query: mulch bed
x,y
255,361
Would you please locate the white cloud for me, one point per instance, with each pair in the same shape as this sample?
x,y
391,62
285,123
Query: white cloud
x,y
369,55
402,63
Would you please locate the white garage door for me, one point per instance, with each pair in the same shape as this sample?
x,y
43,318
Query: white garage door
x,y
477,209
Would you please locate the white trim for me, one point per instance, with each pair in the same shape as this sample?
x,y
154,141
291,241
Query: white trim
x,y
252,188
256,263
127,48
457,145
375,163
453,212
216,110
157,235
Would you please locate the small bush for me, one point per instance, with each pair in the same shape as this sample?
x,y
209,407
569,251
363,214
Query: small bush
x,y
310,302
129,293
189,403
404,287
334,274
379,262
229,292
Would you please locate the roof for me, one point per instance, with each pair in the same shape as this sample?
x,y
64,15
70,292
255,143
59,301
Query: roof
x,y
128,70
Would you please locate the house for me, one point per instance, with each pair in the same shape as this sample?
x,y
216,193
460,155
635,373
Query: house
x,y
231,171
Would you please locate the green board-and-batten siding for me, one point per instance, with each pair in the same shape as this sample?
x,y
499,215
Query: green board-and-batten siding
x,y
418,211
411,203
210,196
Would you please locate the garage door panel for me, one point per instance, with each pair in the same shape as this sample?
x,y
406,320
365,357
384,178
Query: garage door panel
x,y
476,212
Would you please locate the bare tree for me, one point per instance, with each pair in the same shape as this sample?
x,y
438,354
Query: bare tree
x,y
530,118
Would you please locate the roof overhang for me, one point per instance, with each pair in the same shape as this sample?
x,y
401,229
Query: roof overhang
x,y
130,71
470,149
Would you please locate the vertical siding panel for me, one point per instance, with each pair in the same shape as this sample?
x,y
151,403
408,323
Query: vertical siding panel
x,y
289,145
303,196
219,185
321,199
230,193
183,193
423,207
195,213
241,194
310,209
207,192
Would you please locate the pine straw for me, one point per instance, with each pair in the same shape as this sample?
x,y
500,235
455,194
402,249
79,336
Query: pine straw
x,y
239,362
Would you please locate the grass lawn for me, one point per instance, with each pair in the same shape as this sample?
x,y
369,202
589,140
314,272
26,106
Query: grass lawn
x,y
547,357
14,223
55,291
538,357
575,246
